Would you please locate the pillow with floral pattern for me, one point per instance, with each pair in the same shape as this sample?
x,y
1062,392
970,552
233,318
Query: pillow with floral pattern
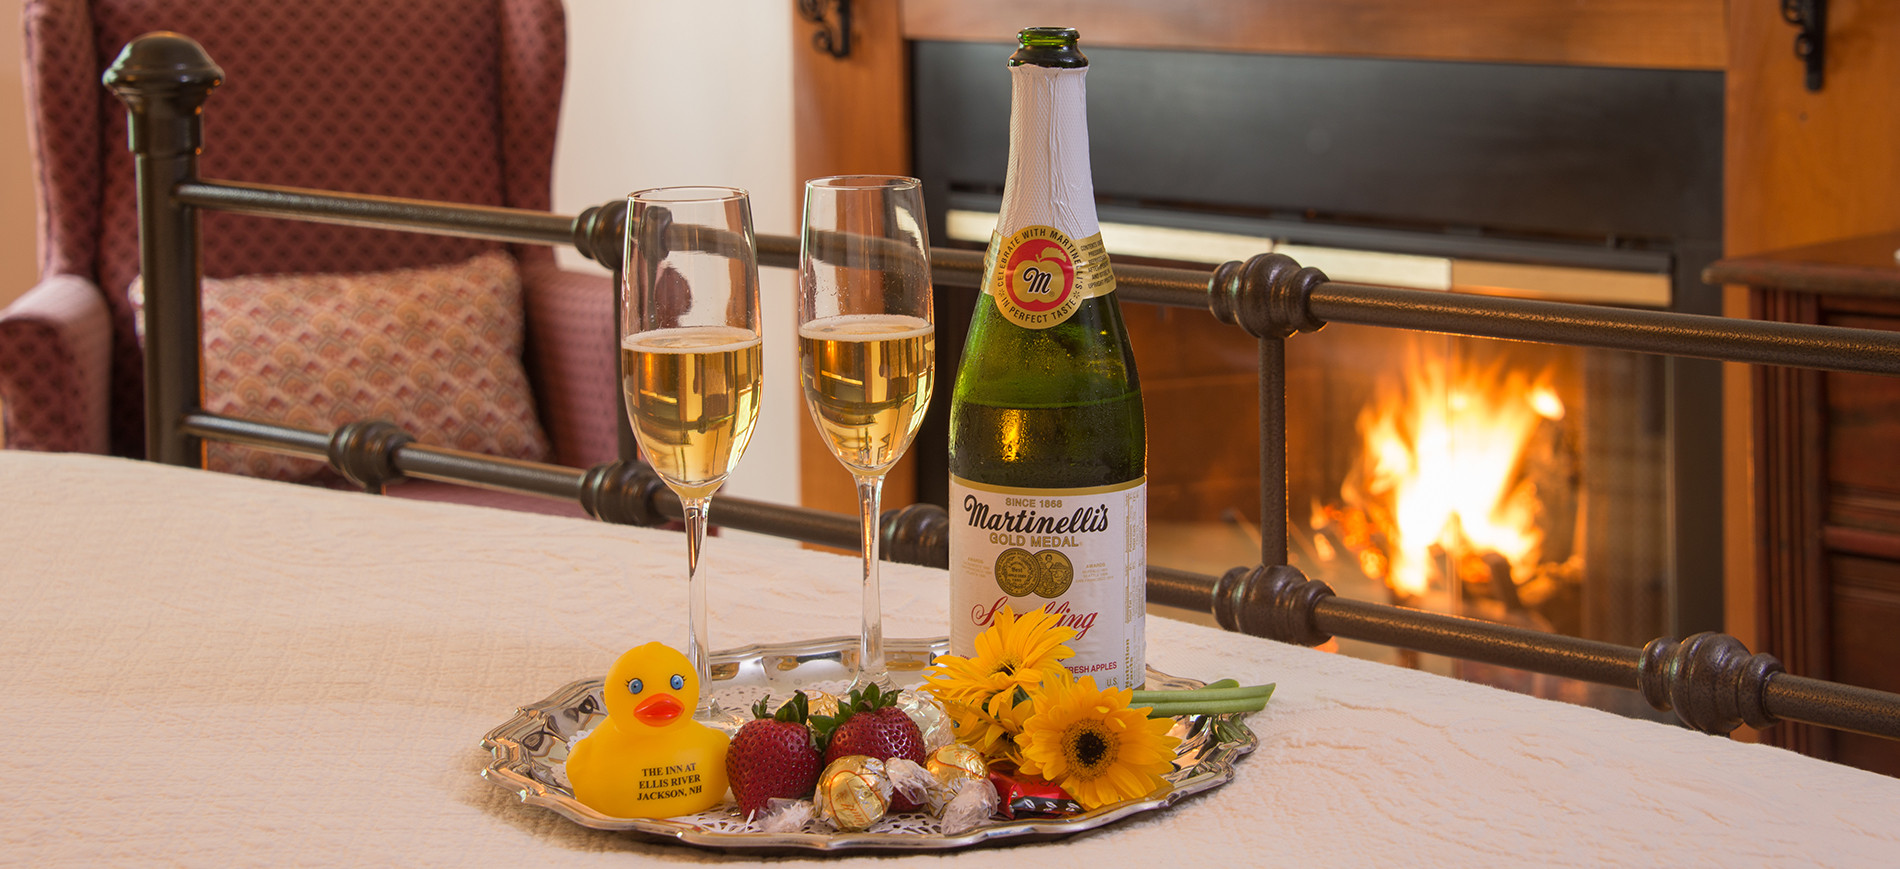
x,y
436,351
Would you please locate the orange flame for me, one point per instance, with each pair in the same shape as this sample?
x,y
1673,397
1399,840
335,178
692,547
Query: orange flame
x,y
1441,466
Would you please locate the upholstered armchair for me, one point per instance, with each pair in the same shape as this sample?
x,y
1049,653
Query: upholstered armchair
x,y
453,100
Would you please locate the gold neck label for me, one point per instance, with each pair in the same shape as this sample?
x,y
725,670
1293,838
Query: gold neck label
x,y
1039,276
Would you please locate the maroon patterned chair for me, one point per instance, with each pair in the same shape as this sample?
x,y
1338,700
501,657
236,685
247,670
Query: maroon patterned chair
x,y
453,100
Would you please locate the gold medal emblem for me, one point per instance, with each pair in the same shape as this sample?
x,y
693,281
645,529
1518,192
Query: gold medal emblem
x,y
1017,572
1055,573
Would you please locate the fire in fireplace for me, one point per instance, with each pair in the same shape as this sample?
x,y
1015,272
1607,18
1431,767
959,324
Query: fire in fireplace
x,y
1512,482
1465,488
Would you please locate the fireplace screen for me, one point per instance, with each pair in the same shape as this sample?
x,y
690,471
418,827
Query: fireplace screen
x,y
1512,482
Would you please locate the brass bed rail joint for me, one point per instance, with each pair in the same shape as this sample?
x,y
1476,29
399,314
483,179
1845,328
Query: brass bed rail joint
x,y
1266,295
365,453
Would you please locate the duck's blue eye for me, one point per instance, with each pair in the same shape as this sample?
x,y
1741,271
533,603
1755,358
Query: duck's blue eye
x,y
634,686
678,682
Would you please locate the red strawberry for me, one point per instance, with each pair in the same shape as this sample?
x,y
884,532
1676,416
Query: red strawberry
x,y
869,723
773,756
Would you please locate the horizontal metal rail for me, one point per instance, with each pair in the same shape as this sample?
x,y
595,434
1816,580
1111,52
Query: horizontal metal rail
x,y
597,232
1704,684
385,212
1661,332
656,503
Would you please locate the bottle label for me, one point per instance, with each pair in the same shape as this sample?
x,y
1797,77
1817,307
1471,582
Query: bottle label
x,y
1039,276
1079,553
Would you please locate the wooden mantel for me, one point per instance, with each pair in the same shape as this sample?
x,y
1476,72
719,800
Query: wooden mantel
x,y
1669,34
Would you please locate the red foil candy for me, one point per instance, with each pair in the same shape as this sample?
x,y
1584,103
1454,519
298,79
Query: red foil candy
x,y
1020,795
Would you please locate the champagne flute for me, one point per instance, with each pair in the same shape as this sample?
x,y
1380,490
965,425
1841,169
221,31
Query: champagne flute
x,y
690,358
866,347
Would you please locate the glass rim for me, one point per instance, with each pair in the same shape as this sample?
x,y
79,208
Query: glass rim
x,y
689,193
864,182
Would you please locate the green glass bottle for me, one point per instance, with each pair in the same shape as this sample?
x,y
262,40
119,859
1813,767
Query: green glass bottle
x,y
1048,503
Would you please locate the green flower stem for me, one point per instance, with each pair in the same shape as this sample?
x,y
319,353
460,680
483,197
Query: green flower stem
x,y
1205,707
1210,693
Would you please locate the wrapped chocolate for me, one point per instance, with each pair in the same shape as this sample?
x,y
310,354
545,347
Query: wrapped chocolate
x,y
932,722
956,761
853,792
972,802
912,784
784,816
822,704
1020,795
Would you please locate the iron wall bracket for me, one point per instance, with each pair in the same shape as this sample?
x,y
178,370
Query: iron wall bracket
x,y
1811,17
832,38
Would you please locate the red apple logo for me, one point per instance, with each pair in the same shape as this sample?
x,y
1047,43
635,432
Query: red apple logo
x,y
1041,276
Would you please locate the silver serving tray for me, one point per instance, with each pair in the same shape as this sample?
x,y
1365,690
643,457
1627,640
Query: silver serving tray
x,y
530,754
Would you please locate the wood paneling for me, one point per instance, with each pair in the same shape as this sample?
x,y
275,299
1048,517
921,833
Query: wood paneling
x,y
1827,487
1867,606
1863,422
1800,167
1790,601
850,115
1671,34
1803,166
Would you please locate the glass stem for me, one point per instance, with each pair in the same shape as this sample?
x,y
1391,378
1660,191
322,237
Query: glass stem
x,y
871,637
696,644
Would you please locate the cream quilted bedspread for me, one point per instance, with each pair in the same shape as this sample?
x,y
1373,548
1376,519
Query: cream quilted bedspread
x,y
208,670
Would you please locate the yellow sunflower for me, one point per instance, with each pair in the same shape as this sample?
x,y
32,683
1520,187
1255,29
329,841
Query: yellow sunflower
x,y
1091,744
992,735
1014,653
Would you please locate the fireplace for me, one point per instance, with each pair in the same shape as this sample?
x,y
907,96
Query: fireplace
x,y
1567,489
1513,482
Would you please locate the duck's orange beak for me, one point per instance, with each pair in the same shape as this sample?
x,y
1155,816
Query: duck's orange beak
x,y
658,709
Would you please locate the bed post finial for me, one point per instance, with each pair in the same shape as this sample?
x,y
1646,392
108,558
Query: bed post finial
x,y
163,79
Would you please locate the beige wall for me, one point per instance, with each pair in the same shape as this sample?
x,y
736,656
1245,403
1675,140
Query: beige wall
x,y
19,264
648,108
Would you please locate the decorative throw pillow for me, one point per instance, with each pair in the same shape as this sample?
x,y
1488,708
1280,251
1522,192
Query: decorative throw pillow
x,y
436,351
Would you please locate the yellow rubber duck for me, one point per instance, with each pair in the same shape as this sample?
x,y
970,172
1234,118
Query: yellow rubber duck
x,y
649,758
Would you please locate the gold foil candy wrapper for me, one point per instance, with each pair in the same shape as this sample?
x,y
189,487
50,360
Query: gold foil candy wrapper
x,y
821,703
853,792
932,722
955,761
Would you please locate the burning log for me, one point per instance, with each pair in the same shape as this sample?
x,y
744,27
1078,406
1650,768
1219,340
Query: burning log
x,y
1501,583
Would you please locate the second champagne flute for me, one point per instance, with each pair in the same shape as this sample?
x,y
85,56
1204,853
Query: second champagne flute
x,y
866,347
690,358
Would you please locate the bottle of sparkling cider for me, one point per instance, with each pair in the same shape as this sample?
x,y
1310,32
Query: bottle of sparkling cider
x,y
1048,496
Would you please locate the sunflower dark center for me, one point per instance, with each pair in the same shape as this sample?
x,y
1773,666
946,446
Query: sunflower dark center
x,y
1090,749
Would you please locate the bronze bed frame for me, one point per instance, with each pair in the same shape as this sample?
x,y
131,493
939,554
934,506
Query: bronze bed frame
x,y
1710,680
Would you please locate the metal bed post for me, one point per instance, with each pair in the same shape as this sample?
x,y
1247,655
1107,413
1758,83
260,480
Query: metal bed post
x,y
163,79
